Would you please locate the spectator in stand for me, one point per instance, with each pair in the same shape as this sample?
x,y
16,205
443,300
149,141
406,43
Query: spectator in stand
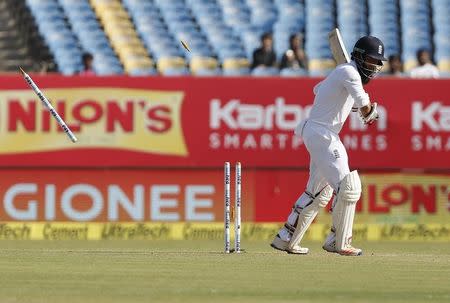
x,y
425,69
395,66
43,67
88,69
295,56
265,55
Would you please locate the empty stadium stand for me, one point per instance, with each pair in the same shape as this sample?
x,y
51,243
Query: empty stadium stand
x,y
416,29
91,37
142,37
441,38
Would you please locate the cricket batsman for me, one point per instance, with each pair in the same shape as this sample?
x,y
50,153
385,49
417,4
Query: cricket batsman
x,y
335,97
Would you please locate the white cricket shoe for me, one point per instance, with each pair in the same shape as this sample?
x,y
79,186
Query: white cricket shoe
x,y
348,251
298,250
282,245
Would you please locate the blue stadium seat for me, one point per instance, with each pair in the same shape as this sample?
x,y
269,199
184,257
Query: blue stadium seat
x,y
265,72
251,41
143,72
416,26
238,72
384,24
441,39
293,72
227,29
291,20
219,28
352,22
91,36
208,72
174,72
320,20
42,4
57,34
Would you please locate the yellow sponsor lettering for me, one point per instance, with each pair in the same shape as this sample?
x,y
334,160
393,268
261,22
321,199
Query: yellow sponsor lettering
x,y
133,119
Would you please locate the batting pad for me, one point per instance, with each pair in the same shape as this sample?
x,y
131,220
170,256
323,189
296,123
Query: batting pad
x,y
307,215
344,208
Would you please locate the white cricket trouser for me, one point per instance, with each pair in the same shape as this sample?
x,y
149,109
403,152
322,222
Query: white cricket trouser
x,y
329,160
328,165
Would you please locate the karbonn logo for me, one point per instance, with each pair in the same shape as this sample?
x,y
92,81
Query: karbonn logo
x,y
236,115
436,116
113,115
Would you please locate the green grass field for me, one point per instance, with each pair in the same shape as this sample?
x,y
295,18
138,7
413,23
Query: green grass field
x,y
196,271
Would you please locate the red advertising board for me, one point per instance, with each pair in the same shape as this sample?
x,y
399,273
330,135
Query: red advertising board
x,y
116,195
202,122
186,195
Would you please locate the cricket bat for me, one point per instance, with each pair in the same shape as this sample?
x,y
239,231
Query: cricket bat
x,y
337,46
338,50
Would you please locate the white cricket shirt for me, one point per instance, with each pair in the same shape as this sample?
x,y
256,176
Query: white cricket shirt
x,y
335,96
